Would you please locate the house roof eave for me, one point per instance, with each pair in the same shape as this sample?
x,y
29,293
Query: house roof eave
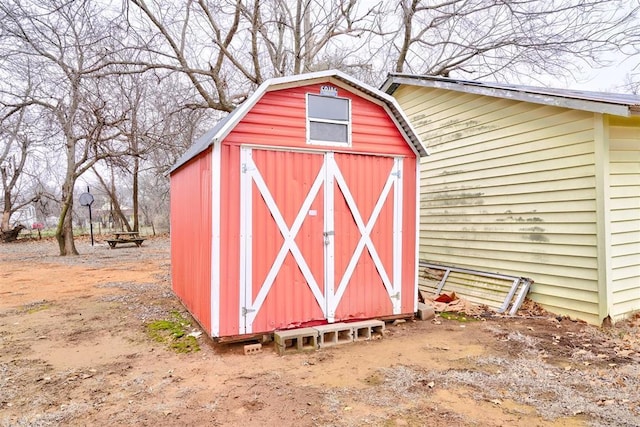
x,y
614,104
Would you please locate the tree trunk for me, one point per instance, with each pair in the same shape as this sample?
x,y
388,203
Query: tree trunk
x,y
5,220
297,39
64,233
308,38
6,212
407,16
64,230
115,203
119,216
136,169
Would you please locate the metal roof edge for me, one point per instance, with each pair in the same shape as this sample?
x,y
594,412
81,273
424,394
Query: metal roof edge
x,y
389,86
242,110
527,95
199,145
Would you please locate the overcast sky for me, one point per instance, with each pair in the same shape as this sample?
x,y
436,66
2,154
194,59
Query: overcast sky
x,y
608,79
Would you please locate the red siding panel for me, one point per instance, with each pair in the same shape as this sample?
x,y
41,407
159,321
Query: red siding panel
x,y
191,236
230,241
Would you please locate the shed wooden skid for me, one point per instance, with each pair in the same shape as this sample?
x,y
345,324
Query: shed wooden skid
x,y
535,182
272,228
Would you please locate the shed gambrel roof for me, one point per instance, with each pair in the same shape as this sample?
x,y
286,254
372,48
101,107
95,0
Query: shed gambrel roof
x,y
598,102
224,126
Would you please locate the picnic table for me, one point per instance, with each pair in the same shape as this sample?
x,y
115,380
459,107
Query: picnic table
x,y
125,237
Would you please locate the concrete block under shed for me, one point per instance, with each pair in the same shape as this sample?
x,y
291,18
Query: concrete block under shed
x,y
252,349
367,329
425,312
296,340
334,334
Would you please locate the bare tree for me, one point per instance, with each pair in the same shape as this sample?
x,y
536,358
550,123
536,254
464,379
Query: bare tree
x,y
223,50
169,129
12,161
509,38
138,86
159,121
631,83
128,91
18,141
226,49
65,41
110,189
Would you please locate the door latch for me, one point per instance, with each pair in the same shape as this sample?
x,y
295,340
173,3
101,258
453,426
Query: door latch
x,y
326,235
246,311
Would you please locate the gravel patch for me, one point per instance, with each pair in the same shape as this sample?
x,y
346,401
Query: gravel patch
x,y
46,251
141,299
607,396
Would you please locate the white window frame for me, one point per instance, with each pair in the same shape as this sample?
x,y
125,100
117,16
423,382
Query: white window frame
x,y
337,122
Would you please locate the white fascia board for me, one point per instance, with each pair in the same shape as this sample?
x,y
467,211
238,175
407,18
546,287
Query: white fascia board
x,y
406,120
412,143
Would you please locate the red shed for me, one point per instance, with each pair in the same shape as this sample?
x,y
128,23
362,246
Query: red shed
x,y
299,208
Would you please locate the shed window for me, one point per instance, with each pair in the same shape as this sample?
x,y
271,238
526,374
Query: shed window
x,y
328,120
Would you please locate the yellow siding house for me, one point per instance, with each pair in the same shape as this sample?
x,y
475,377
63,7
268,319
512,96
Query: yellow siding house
x,y
541,183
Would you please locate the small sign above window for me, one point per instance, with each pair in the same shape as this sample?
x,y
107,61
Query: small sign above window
x,y
327,90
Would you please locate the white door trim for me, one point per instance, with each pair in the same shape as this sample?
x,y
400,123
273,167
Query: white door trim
x,y
397,237
246,237
329,241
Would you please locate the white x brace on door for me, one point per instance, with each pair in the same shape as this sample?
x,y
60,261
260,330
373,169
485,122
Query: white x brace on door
x,y
327,290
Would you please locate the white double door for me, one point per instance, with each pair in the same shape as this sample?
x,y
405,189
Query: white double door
x,y
320,237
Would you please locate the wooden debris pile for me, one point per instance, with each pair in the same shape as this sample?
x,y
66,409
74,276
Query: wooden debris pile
x,y
450,302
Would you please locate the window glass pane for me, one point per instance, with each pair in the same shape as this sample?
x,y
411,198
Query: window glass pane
x,y
324,107
328,132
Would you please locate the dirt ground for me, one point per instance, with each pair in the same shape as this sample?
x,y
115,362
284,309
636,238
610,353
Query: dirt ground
x,y
74,350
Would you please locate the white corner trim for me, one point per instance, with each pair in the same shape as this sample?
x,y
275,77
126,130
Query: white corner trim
x,y
214,294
